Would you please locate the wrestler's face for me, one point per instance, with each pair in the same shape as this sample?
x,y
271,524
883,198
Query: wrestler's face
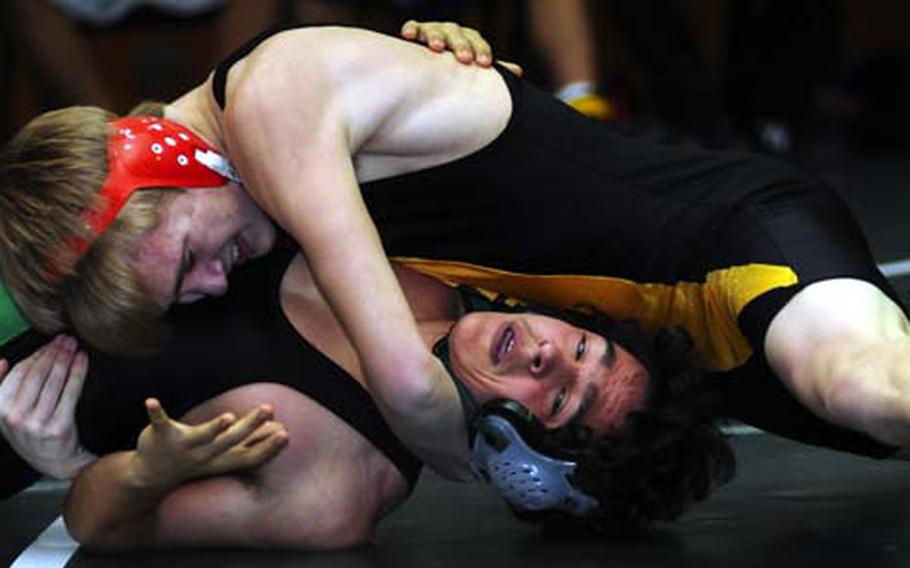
x,y
203,234
558,371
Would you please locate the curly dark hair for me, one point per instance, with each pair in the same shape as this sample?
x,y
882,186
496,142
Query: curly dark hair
x,y
666,456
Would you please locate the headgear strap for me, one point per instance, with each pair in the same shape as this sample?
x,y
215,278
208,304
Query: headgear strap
x,y
149,152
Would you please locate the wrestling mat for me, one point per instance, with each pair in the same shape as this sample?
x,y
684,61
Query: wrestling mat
x,y
789,505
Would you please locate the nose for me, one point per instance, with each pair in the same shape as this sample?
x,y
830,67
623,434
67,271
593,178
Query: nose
x,y
207,279
547,359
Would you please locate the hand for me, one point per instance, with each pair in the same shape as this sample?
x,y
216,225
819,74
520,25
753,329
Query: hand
x,y
38,405
170,452
467,44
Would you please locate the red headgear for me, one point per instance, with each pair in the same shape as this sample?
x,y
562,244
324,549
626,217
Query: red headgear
x,y
149,152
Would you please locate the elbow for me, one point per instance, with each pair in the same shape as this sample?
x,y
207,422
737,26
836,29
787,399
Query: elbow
x,y
79,525
93,534
90,536
409,383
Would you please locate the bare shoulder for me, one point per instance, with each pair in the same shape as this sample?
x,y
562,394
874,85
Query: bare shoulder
x,y
335,94
319,63
353,77
336,49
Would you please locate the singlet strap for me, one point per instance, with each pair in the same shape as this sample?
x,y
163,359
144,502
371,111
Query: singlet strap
x,y
219,78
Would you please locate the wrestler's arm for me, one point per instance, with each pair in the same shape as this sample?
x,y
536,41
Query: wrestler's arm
x,y
843,348
291,133
154,497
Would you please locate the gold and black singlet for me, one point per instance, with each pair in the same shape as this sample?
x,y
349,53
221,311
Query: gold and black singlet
x,y
567,211
563,210
217,345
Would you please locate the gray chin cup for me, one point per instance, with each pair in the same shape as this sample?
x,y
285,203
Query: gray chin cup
x,y
524,477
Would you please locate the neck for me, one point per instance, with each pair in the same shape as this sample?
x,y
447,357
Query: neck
x,y
194,111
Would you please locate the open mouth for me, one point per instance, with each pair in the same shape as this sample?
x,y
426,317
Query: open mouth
x,y
505,341
238,252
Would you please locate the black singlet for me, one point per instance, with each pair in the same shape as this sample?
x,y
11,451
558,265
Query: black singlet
x,y
241,338
217,345
716,242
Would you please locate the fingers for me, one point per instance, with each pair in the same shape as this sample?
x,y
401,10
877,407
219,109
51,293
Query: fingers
x,y
9,385
433,35
36,376
22,385
243,428
483,53
256,449
66,408
208,431
264,431
157,416
457,40
18,392
410,29
56,379
264,444
467,44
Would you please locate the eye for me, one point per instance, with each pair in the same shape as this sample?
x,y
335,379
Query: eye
x,y
581,347
559,401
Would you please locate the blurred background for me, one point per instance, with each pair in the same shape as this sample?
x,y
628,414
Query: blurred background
x,y
822,83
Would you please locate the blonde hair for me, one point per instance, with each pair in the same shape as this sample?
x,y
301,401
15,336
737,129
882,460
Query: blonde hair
x,y
50,174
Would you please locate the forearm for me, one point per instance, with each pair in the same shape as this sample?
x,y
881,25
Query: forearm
x,y
108,508
413,391
430,421
870,390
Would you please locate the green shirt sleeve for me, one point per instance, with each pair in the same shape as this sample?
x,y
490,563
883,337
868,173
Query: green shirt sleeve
x,y
12,322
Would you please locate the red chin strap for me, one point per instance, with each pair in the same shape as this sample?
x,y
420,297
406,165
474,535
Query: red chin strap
x,y
148,152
